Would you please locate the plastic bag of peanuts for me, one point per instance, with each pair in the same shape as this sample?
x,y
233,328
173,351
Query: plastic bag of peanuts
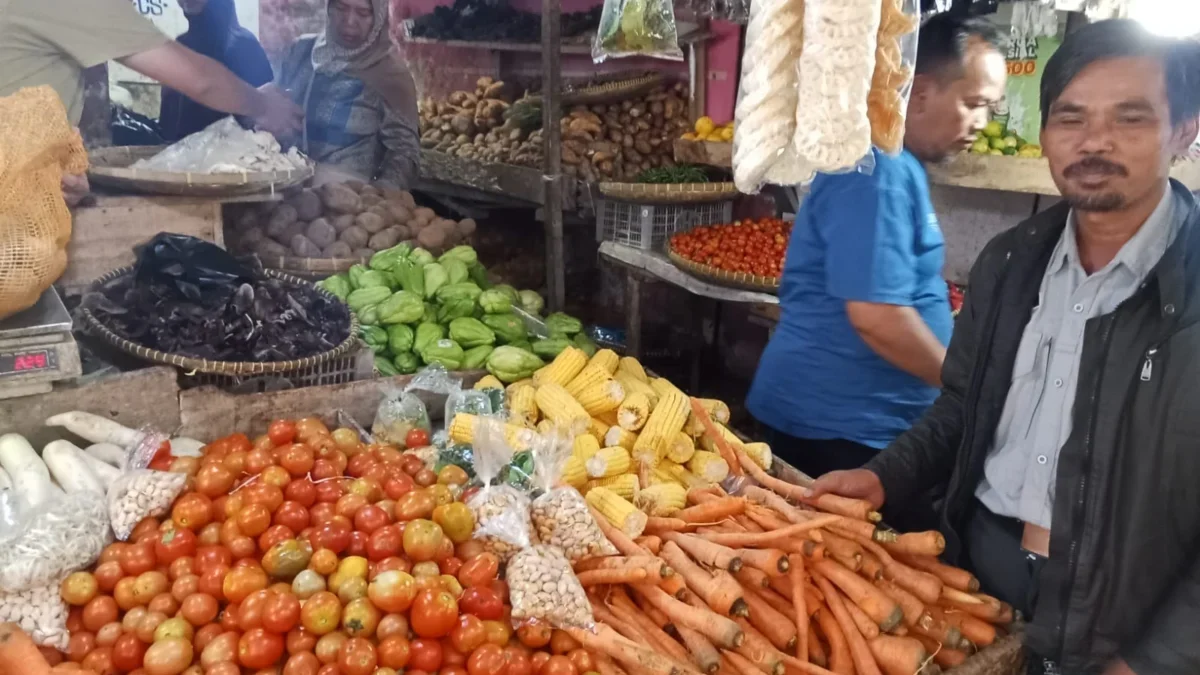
x,y
40,612
560,515
542,586
501,511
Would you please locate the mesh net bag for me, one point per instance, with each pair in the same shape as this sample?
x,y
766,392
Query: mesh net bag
x,y
37,146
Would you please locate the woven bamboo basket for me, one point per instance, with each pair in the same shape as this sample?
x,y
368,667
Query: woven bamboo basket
x,y
193,365
749,282
617,90
669,193
110,167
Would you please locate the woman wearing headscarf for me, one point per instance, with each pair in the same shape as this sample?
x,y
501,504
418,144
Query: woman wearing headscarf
x,y
214,31
359,98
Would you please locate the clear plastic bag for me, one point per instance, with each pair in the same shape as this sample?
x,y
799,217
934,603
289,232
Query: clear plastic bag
x,y
139,494
40,612
44,544
501,511
542,586
637,28
891,83
142,453
225,147
468,401
560,515
402,411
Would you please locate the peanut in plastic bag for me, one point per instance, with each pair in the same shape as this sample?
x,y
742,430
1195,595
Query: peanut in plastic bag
x,y
501,511
560,515
49,541
542,586
637,28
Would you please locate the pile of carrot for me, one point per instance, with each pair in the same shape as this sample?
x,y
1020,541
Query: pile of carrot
x,y
754,584
18,654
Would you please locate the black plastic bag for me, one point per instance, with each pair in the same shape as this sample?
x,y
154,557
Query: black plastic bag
x,y
130,128
196,268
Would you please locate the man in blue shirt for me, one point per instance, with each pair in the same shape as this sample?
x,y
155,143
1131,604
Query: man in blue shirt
x,y
857,354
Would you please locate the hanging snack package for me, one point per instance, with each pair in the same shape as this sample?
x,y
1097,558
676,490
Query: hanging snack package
x,y
895,54
402,411
637,28
836,67
501,511
560,515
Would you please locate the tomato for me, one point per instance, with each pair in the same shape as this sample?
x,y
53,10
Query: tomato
x,y
450,567
456,520
98,611
302,663
480,570
108,634
127,653
276,534
174,544
281,431
257,460
323,561
425,655
534,633
174,628
199,609
107,575
242,548
206,634
214,480
222,648
561,642
434,614
451,657
486,660
138,558
498,632
422,539
425,477
250,610
351,589
360,618
321,613
416,438
297,458
329,647
99,661
394,652
192,511
163,602
392,591
357,657
213,581
302,491
124,594
275,476
168,657
282,613
370,518
330,491
482,602
183,566
79,588
208,557
243,581
385,542
80,645
582,660
306,584
468,634
253,519
538,660
149,623
292,515
518,662
333,535
357,545
259,649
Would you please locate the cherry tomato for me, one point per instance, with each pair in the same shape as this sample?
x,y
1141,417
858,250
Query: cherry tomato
x,y
99,611
302,491
258,648
534,633
292,515
488,659
127,653
199,609
214,480
321,613
582,660
481,602
357,657
416,438
107,575
398,485
138,558
213,581
205,635
209,557
480,570
243,581
468,634
276,534
168,657
518,662
422,539
253,519
371,518
386,542
434,614
394,652
174,544
221,649
498,632
79,588
282,613
538,660
302,663
192,511
456,520
182,567
425,655
281,431
333,535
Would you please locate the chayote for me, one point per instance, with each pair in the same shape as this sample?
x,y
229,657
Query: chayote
x,y
509,328
563,324
367,296
463,253
372,278
400,338
368,316
354,274
475,357
532,302
465,289
338,284
479,275
455,309
386,260
513,296
510,364
495,302
421,257
435,277
401,307
431,312
456,271
409,276
385,366
375,337
406,362
426,334
446,352
550,347
470,333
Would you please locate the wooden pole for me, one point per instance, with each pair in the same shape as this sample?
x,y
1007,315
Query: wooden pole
x,y
551,148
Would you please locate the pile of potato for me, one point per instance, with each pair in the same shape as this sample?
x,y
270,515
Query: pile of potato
x,y
469,124
345,220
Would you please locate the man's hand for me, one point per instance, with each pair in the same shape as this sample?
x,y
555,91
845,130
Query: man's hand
x,y
75,188
1119,667
280,116
856,484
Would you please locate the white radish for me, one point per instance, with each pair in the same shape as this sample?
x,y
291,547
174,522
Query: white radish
x,y
30,477
104,473
108,453
96,429
186,447
69,469
5,480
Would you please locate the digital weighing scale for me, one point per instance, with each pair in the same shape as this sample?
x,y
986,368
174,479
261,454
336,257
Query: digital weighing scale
x,y
37,348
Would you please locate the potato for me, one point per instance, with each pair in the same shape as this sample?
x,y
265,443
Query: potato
x,y
321,233
450,232
249,218
364,253
283,217
269,248
355,236
407,200
338,249
367,201
384,239
382,211
355,185
340,199
432,238
402,231
307,204
394,194
466,227
251,237
398,212
342,223
425,214
370,190
304,247
298,227
415,225
370,222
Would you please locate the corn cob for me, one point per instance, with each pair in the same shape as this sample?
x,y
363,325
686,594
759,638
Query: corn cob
x,y
587,377
633,367
662,385
625,485
717,410
617,511
635,386
609,418
521,406
545,427
606,359
633,412
709,466
464,429
574,473
598,429
585,446
602,397
608,462
707,443
681,448
617,436
488,382
663,499
760,453
682,476
558,406
563,368
666,421
662,474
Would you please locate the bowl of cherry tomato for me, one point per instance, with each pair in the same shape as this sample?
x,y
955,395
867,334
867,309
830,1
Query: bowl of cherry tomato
x,y
744,254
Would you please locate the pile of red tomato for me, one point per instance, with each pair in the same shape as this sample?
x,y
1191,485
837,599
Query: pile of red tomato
x,y
305,552
747,246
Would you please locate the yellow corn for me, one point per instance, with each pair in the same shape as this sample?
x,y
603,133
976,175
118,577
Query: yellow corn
x,y
585,446
574,473
682,476
760,453
545,427
598,429
563,368
609,462
663,499
707,443
625,485
527,382
522,408
590,375
617,510
609,418
558,406
602,397
709,466
606,359
717,410
693,427
662,474
662,385
633,385
464,429
488,382
617,436
633,367
681,448
662,426
633,412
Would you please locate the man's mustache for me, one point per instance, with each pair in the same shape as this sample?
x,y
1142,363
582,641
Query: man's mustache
x,y
1094,165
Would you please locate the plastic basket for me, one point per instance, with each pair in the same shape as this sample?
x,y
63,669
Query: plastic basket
x,y
358,364
649,226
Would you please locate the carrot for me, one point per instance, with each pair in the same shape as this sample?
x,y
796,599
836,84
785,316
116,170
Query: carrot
x,y
741,665
649,542
792,664
840,660
631,575
606,666
659,525
864,662
713,555
776,601
722,594
729,454
979,632
654,566
629,612
800,603
657,617
813,551
606,641
701,651
921,584
852,564
944,656
748,524
759,650
989,610
618,623
674,585
865,625
770,560
623,542
875,603
872,568
910,605
766,519
18,654
722,631
933,625
773,624
953,577
816,651
757,539
840,546
700,495
752,577
713,511
856,509
793,514
899,655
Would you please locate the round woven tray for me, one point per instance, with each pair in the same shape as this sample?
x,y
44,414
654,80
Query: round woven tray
x,y
234,368
749,282
110,167
669,193
609,91
311,266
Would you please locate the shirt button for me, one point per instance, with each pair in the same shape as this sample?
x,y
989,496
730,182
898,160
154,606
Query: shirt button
x,y
1078,308
1058,382
1041,459
1169,309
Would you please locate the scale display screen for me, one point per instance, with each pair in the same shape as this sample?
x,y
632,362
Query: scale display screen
x,y
25,362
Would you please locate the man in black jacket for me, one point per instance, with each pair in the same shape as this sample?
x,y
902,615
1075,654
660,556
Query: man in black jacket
x,y
1068,427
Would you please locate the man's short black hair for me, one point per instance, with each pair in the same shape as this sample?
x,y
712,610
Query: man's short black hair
x,y
942,43
1125,38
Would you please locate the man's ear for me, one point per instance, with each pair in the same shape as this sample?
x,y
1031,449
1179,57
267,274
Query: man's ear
x,y
923,87
1184,136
